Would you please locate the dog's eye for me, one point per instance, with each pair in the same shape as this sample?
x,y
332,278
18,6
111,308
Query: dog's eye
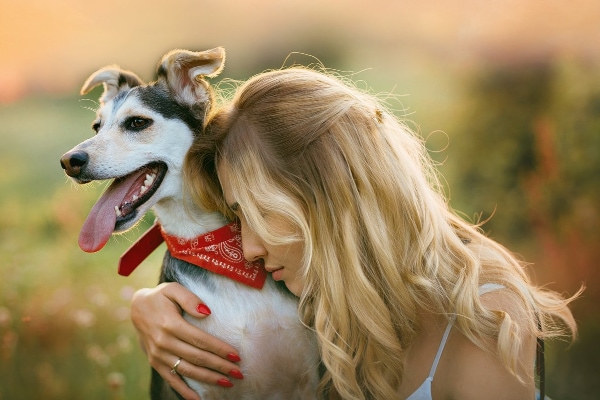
x,y
138,123
96,126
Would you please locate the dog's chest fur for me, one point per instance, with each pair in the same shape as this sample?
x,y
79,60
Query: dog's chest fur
x,y
262,324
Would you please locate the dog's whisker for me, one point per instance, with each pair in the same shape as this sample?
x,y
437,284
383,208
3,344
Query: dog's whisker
x,y
90,108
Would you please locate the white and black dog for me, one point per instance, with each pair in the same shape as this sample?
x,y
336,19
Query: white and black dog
x,y
143,132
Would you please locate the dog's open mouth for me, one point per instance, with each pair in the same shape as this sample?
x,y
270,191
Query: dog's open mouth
x,y
148,179
118,205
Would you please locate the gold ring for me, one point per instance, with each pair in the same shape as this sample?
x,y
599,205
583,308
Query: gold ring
x,y
174,369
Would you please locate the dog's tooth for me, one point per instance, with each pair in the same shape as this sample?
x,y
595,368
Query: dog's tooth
x,y
143,189
117,211
149,179
135,197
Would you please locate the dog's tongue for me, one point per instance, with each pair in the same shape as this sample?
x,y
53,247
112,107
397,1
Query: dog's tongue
x,y
100,223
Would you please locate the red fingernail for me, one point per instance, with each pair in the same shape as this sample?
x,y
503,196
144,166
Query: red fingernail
x,y
203,309
224,382
236,373
233,357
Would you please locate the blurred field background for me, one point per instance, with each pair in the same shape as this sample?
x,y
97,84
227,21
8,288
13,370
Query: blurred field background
x,y
506,92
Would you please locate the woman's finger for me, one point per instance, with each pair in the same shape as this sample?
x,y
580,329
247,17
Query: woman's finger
x,y
178,384
199,364
204,375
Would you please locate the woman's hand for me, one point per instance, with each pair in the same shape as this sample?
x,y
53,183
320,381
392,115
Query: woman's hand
x,y
166,337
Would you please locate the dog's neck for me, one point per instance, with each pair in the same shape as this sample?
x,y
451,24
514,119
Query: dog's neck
x,y
186,220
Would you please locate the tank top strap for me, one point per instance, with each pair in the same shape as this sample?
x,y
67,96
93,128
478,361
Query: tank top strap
x,y
483,289
440,350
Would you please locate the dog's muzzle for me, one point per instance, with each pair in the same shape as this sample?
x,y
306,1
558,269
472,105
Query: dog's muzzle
x,y
73,162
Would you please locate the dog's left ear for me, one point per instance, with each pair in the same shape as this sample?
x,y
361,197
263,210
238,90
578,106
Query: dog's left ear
x,y
184,72
114,80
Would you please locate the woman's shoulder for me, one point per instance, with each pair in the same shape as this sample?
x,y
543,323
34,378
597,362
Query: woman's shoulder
x,y
473,371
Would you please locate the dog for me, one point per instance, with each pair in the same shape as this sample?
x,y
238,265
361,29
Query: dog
x,y
143,132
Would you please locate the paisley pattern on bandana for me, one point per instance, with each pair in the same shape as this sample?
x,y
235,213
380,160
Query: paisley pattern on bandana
x,y
219,251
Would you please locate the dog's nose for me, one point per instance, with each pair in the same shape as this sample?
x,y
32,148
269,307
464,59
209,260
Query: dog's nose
x,y
72,162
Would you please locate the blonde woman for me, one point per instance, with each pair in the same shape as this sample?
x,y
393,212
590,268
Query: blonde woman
x,y
342,203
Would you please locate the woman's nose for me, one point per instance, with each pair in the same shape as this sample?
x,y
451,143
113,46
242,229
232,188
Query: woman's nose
x,y
252,245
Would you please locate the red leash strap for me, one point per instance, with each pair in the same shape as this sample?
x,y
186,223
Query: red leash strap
x,y
141,249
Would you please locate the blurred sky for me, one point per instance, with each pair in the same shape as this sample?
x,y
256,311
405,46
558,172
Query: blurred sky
x,y
52,46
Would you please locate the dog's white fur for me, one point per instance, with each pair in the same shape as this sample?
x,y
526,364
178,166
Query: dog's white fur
x,y
279,355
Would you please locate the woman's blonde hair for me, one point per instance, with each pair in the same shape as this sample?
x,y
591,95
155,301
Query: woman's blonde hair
x,y
381,242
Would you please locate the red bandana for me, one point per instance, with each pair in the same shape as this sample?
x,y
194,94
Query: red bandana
x,y
218,251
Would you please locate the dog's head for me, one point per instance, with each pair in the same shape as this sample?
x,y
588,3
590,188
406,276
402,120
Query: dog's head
x,y
143,132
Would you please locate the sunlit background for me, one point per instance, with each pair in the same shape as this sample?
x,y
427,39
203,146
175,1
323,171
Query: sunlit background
x,y
507,93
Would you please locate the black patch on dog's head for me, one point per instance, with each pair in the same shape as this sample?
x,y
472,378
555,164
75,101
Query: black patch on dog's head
x,y
160,100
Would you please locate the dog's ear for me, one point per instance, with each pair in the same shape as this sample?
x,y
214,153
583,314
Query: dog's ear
x,y
114,79
184,72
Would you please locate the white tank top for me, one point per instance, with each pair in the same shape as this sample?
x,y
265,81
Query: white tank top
x,y
424,391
